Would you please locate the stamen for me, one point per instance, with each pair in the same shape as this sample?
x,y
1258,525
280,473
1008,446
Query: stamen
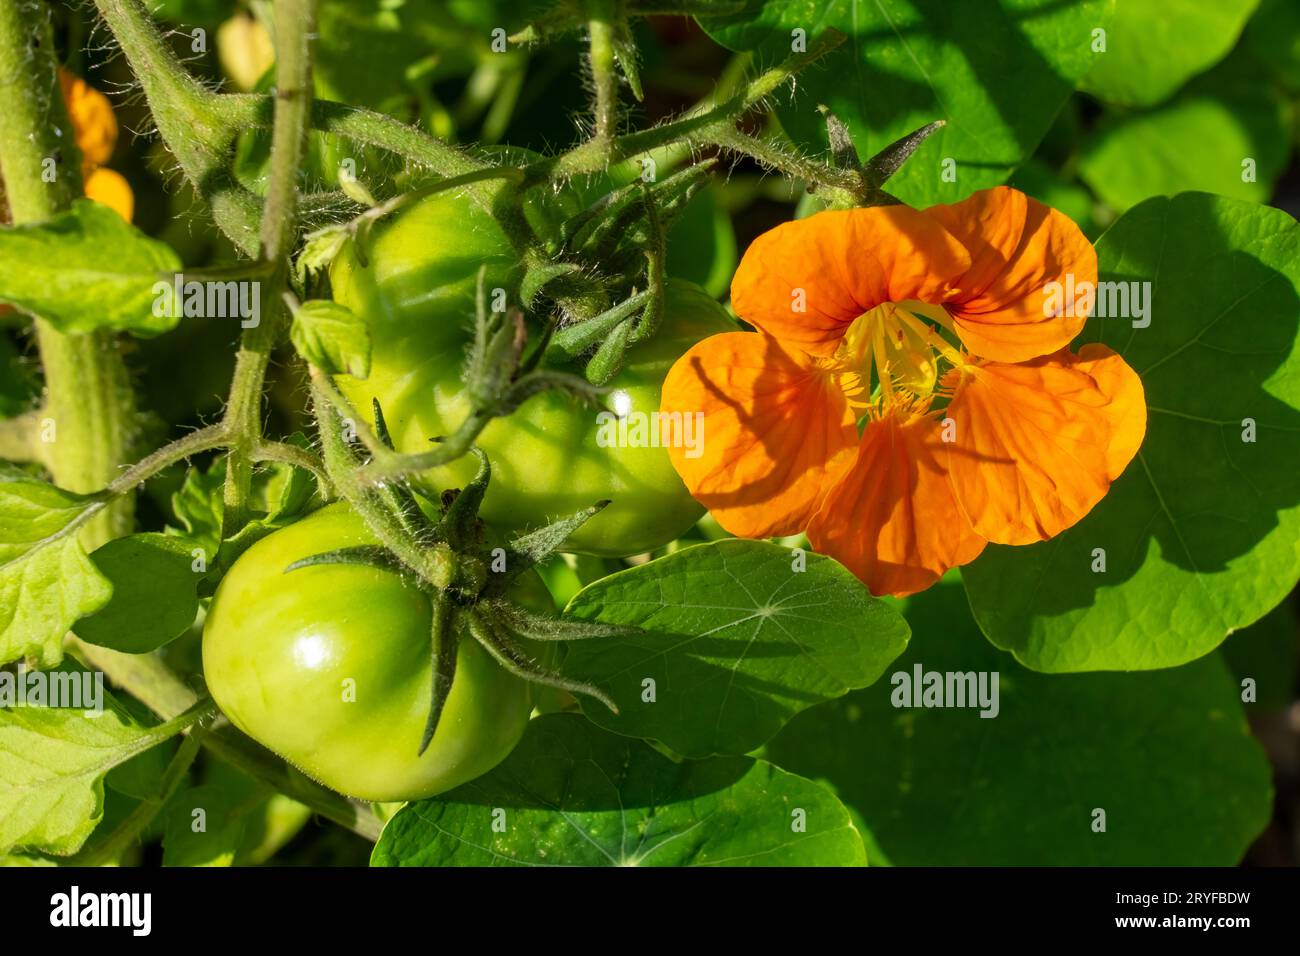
x,y
932,338
882,362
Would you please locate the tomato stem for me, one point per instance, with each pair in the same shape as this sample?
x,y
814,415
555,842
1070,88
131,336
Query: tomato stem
x,y
277,235
600,27
87,424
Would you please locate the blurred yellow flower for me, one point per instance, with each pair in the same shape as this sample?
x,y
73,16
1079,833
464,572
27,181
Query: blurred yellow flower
x,y
95,129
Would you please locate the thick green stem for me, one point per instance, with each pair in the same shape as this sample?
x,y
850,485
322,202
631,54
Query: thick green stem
x,y
87,425
293,96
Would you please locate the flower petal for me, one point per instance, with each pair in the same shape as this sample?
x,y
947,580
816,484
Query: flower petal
x,y
93,124
110,188
1127,409
777,431
805,281
892,519
1018,247
1037,445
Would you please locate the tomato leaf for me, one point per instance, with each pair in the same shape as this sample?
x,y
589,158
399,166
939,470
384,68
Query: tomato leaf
x,y
571,794
46,580
242,821
52,767
331,337
204,826
736,642
86,269
281,494
1201,534
155,593
942,786
1190,35
996,70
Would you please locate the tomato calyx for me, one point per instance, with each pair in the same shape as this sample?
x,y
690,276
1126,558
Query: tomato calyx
x,y
466,578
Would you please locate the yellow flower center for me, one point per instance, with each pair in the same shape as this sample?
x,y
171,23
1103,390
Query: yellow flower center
x,y
892,356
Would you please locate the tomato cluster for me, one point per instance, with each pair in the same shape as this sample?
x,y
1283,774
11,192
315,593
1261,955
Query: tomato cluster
x,y
416,293
329,665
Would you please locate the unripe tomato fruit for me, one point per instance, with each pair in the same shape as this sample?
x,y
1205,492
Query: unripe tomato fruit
x,y
329,666
416,294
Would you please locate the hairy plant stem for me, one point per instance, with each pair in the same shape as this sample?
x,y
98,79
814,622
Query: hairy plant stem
x,y
294,21
705,127
88,419
181,108
88,397
600,26
435,564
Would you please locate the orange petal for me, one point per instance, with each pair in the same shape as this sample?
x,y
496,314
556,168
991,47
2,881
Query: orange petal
x,y
892,520
1127,409
776,433
1007,309
1036,445
108,187
93,123
804,282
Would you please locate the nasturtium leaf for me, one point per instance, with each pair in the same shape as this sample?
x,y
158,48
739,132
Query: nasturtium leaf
x,y
331,337
52,766
1201,534
1273,36
944,786
155,593
1155,46
87,269
1268,655
1226,133
572,795
738,637
46,580
996,70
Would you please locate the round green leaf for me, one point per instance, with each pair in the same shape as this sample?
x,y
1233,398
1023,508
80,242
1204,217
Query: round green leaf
x,y
573,795
1166,756
1268,655
1227,133
1201,534
736,640
1155,46
997,70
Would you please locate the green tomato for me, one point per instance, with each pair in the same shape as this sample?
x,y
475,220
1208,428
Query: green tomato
x,y
329,666
551,457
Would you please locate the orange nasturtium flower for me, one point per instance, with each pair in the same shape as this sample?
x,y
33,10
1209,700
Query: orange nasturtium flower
x,y
95,129
908,397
